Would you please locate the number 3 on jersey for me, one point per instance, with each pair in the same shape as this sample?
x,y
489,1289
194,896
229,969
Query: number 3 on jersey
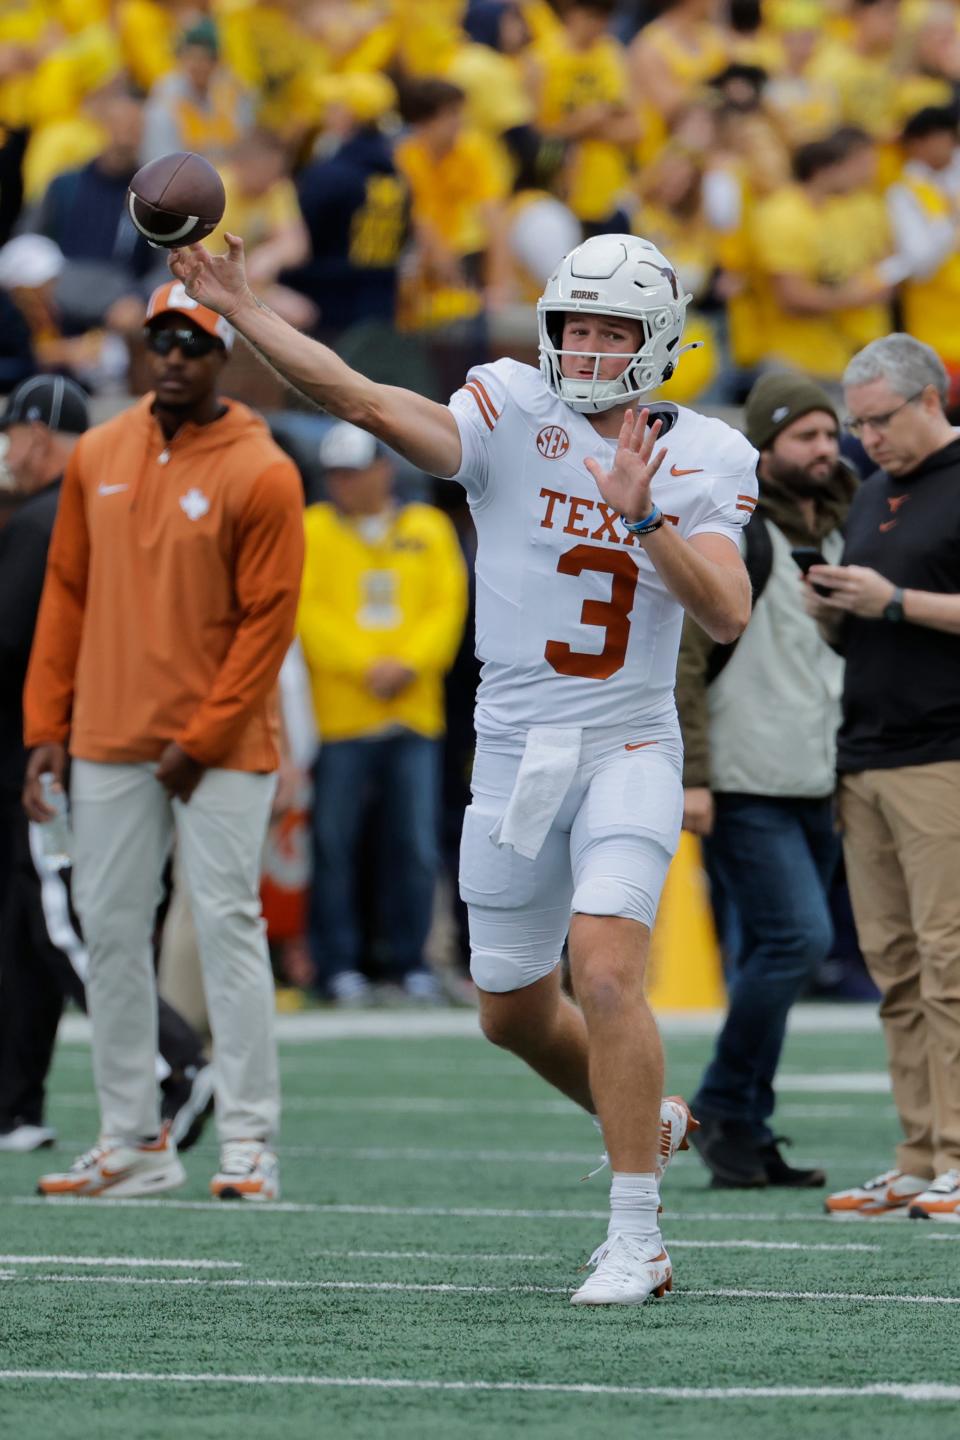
x,y
613,614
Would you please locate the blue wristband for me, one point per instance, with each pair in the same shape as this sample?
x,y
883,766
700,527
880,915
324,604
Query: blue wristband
x,y
647,526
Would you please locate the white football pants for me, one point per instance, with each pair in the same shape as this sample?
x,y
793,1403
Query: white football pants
x,y
123,828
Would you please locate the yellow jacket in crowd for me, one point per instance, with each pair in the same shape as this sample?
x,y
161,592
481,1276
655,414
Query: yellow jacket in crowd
x,y
931,298
829,244
374,588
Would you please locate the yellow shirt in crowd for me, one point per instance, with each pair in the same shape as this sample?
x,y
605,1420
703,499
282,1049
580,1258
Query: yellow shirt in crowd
x,y
449,194
688,66
254,218
572,80
931,304
828,244
373,590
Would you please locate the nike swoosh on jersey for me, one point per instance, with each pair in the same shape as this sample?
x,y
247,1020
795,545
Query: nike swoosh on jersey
x,y
640,745
110,489
675,470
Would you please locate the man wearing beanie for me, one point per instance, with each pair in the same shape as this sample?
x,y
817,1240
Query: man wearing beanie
x,y
759,721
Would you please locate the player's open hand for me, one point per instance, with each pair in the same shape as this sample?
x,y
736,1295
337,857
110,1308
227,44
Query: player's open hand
x,y
217,281
626,487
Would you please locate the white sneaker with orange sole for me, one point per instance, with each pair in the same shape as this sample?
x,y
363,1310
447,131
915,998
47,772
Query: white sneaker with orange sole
x,y
120,1170
628,1271
248,1171
887,1194
939,1201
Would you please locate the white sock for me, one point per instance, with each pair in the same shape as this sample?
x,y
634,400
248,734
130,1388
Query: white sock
x,y
634,1206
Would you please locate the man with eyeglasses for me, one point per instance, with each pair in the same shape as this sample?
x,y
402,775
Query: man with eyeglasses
x,y
169,603
893,608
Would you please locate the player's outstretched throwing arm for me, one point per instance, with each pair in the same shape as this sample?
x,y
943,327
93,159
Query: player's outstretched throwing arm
x,y
705,573
425,432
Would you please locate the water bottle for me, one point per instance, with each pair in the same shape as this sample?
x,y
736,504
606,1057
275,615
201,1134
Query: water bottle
x,y
55,833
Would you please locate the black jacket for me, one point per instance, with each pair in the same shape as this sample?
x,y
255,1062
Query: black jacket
x,y
901,697
24,542
356,208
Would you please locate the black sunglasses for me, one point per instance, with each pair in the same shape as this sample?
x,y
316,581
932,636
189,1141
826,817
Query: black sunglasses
x,y
192,344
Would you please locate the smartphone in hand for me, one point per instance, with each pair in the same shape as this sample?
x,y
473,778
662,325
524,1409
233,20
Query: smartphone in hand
x,y
805,556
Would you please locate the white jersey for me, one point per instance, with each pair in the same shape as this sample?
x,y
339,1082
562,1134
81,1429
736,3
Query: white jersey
x,y
574,625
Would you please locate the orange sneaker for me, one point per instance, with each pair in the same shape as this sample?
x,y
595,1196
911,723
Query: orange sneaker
x,y
886,1194
248,1171
941,1200
120,1170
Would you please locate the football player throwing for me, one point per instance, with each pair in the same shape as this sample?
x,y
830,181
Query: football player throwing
x,y
600,520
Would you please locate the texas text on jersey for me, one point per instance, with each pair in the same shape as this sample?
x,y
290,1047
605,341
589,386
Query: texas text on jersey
x,y
566,596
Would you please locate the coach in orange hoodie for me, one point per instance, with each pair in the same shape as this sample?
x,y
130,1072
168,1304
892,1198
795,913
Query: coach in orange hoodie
x,y
169,602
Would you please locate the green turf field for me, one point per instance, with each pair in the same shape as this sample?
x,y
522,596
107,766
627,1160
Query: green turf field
x,y
413,1280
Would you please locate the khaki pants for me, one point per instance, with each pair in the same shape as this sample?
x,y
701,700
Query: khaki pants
x,y
901,843
123,827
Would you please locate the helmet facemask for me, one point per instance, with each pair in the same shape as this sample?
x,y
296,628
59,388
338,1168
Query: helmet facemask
x,y
633,282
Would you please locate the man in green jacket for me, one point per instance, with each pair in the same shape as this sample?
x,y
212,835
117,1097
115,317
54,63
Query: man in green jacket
x,y
759,725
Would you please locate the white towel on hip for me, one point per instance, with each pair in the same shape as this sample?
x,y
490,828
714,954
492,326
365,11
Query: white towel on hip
x,y
548,765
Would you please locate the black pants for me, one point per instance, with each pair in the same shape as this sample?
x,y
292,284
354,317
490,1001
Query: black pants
x,y
43,962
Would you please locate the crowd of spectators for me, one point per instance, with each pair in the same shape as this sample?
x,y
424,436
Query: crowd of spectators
x,y
424,165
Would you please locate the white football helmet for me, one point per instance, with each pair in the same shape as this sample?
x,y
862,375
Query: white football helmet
x,y
621,275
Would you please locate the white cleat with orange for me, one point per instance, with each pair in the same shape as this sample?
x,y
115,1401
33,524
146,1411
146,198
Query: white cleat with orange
x,y
675,1129
886,1194
628,1271
940,1200
120,1170
248,1171
676,1126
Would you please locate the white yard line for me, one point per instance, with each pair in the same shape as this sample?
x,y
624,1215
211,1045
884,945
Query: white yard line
x,y
444,1255
194,1282
855,1110
129,1262
287,1207
401,1025
863,1082
834,1082
842,1295
575,1159
578,1162
416,1288
422,1154
551,1258
923,1392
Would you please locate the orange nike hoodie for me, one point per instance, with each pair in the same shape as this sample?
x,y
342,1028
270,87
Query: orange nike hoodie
x,y
170,595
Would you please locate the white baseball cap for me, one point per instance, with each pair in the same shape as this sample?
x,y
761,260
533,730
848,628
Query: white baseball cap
x,y
29,261
347,447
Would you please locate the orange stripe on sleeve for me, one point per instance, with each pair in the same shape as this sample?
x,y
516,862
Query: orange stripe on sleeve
x,y
749,508
490,405
471,386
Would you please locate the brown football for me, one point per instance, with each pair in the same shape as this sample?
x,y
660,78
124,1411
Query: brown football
x,y
176,199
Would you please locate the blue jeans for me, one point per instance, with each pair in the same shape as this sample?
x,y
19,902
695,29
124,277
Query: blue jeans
x,y
401,777
776,859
